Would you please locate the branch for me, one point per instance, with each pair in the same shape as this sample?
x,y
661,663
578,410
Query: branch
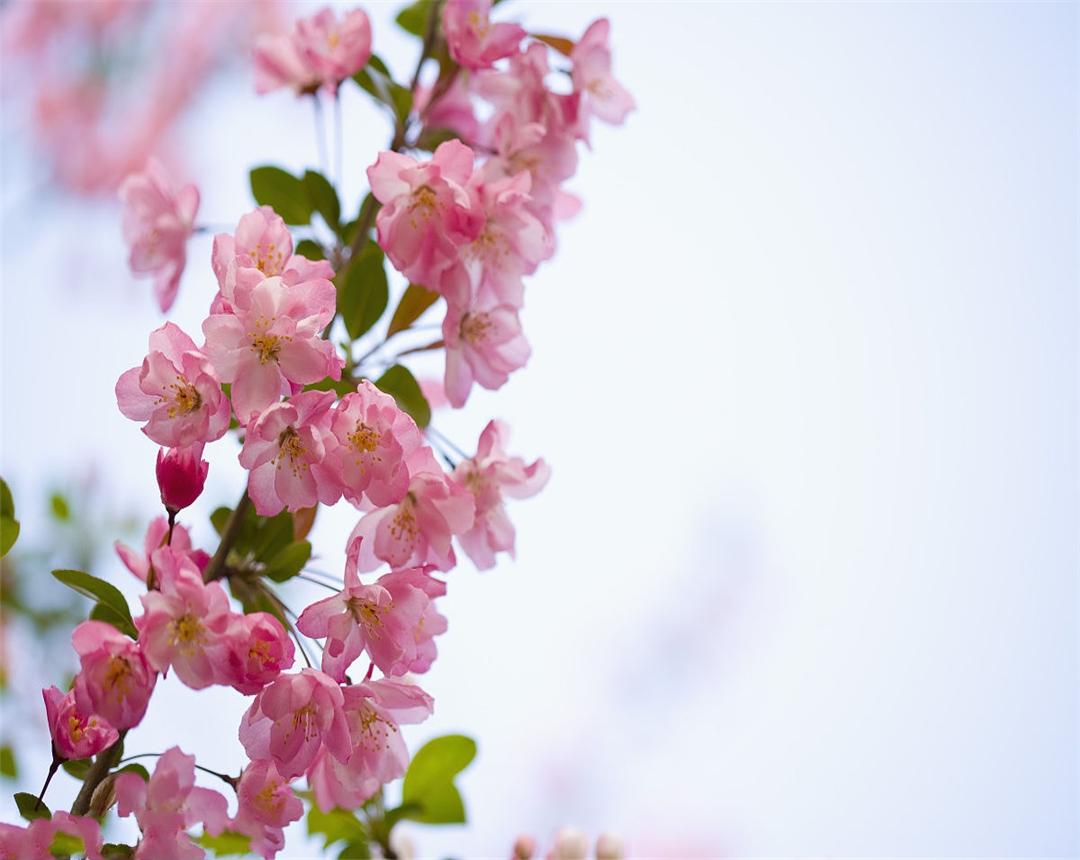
x,y
105,762
216,568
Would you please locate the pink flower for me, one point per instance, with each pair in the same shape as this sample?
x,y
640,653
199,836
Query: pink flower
x,y
184,622
335,50
374,711
475,42
34,842
292,718
272,339
75,735
605,97
425,215
484,344
181,476
158,218
175,391
374,439
115,681
169,804
266,805
417,530
453,110
156,534
489,476
394,620
258,650
279,62
285,448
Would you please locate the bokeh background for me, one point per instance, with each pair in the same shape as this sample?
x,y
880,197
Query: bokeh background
x,y
804,582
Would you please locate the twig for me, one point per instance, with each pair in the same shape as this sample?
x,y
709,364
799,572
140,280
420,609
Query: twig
x,y
216,567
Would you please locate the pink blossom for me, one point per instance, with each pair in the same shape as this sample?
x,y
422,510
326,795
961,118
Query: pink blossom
x,y
374,439
280,63
184,622
418,529
158,218
181,476
169,804
258,650
425,215
394,620
156,534
335,50
489,476
484,345
284,448
475,42
452,110
34,842
75,735
273,339
266,805
292,718
605,97
115,680
175,391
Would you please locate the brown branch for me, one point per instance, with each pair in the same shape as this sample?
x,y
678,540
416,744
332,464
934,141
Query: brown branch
x,y
216,567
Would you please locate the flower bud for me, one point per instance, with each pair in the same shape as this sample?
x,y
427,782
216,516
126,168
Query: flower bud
x,y
181,475
609,847
524,848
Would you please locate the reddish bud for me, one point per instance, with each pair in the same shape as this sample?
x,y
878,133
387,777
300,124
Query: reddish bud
x,y
181,475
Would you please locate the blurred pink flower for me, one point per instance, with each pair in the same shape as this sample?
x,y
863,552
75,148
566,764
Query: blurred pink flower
x,y
115,680
604,97
475,42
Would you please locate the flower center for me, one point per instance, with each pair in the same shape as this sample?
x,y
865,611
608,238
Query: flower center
x,y
260,651
366,613
185,397
268,259
187,630
424,202
364,438
268,800
118,676
475,327
403,525
291,447
304,719
266,346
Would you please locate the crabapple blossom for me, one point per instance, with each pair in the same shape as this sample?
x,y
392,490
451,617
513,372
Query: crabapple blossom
x,y
184,621
266,805
175,391
418,529
335,49
605,97
452,110
158,219
115,680
426,212
257,650
474,42
374,439
156,535
34,842
75,734
294,717
284,449
280,63
272,340
181,476
489,476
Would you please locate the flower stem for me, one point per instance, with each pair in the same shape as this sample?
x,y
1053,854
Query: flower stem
x,y
215,569
52,772
104,762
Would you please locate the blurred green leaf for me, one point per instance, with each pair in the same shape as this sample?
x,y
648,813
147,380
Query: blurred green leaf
x,y
414,17
104,593
77,767
358,849
29,808
59,507
310,249
8,768
9,526
429,781
337,825
376,80
430,138
117,851
136,769
228,843
399,383
414,302
66,844
283,192
324,198
289,562
363,291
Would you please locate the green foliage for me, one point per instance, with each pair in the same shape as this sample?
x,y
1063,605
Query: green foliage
x,y
323,198
9,526
66,844
356,850
414,302
337,825
115,612
376,80
362,291
59,507
135,768
429,781
430,138
259,539
399,383
310,249
117,851
279,189
289,562
414,17
77,767
228,844
8,767
29,808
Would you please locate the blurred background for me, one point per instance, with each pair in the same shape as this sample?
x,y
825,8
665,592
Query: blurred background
x,y
804,581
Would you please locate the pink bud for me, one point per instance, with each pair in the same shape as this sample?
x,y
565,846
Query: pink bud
x,y
524,848
181,475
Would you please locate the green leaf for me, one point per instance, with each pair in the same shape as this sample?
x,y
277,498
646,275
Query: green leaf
x,y
310,249
337,825
101,612
254,599
77,767
363,295
29,808
324,198
8,768
283,192
341,387
414,17
430,138
60,508
228,843
9,526
414,302
66,844
135,768
358,849
289,562
117,851
271,535
103,592
429,781
399,383
7,502
376,80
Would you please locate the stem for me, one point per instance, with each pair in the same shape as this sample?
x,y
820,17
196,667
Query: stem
x,y
231,780
216,568
52,772
320,134
104,762
172,524
314,581
339,138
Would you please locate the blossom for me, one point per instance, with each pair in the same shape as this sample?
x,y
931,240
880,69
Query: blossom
x,y
158,218
280,62
115,680
175,391
605,97
484,344
257,650
425,214
181,476
374,440
374,710
169,804
292,718
272,339
284,449
394,620
489,476
156,535
335,50
266,805
184,621
452,110
35,841
75,735
418,529
475,42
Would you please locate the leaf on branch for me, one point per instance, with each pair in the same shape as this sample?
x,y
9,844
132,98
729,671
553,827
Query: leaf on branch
x,y
9,526
135,768
337,825
323,198
77,767
431,138
559,43
400,384
260,538
29,808
414,302
310,249
59,507
115,611
66,845
228,843
375,79
117,851
414,17
8,768
283,192
429,781
289,562
363,291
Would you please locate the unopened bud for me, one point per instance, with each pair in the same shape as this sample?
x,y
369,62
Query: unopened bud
x,y
181,475
103,798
